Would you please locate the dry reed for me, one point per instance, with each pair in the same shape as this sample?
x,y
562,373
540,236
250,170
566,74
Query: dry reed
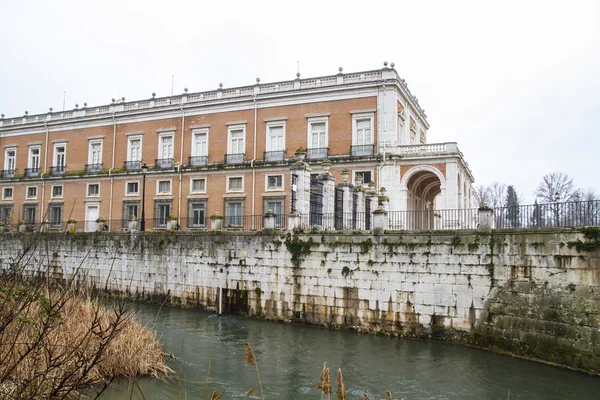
x,y
324,383
366,397
215,396
388,394
249,393
340,394
250,360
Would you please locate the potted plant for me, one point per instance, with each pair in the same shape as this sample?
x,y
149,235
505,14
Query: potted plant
x,y
358,179
172,222
100,224
345,174
326,164
132,223
301,153
71,225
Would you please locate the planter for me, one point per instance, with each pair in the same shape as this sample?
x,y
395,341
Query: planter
x,y
216,222
301,156
293,221
132,224
269,221
22,227
71,226
45,227
172,224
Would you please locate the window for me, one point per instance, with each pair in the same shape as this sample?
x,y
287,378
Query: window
x,y
366,176
197,214
5,214
10,159
32,192
198,185
93,190
275,137
134,148
317,133
57,191
234,211
60,154
34,159
95,152
132,188
164,187
29,213
274,182
200,143
162,210
235,184
275,205
236,140
130,209
7,193
55,215
165,147
362,135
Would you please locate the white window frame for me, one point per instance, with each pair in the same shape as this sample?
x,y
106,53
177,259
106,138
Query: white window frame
x,y
54,154
27,192
6,166
199,131
92,142
30,157
360,117
192,178
158,193
62,192
275,124
131,139
229,190
136,194
279,189
230,130
87,189
317,120
355,171
161,137
12,196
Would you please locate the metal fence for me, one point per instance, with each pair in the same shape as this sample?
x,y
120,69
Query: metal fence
x,y
428,220
560,215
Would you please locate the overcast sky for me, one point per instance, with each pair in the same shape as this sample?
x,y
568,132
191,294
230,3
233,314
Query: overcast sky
x,y
516,83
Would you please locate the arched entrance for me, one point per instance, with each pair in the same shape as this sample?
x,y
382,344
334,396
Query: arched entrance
x,y
423,184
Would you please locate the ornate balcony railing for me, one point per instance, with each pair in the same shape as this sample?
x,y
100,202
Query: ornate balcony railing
x,y
317,153
8,173
93,168
238,158
278,155
362,150
132,165
31,172
197,161
58,170
163,163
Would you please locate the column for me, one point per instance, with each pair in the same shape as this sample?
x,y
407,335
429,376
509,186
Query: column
x,y
328,181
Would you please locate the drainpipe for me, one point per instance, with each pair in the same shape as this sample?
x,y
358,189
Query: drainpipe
x,y
112,166
42,174
252,162
180,165
382,163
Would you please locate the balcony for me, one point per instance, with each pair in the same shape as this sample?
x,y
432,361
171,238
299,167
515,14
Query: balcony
x,y
362,150
238,158
278,155
132,165
163,163
31,172
57,170
317,153
197,161
93,168
8,173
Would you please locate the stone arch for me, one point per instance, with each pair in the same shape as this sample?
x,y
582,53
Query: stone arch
x,y
422,183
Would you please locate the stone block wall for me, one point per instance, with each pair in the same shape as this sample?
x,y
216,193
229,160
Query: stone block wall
x,y
531,293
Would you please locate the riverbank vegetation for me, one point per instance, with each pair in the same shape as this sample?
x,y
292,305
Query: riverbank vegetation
x,y
56,339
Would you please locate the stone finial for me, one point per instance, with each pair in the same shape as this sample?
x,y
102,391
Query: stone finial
x,y
257,80
385,64
340,69
26,112
185,90
2,115
220,85
51,109
84,105
113,99
76,105
392,65
123,98
298,75
153,94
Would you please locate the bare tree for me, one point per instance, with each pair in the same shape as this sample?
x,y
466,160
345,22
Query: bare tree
x,y
482,194
497,195
555,187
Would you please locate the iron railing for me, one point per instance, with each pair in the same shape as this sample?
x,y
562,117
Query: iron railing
x,y
238,158
271,156
58,170
428,220
93,168
163,163
362,150
31,172
197,161
8,173
316,153
559,215
132,165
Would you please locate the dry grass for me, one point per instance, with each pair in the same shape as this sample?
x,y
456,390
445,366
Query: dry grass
x,y
324,383
340,394
250,360
55,341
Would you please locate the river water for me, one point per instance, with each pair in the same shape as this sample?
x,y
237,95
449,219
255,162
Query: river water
x,y
290,358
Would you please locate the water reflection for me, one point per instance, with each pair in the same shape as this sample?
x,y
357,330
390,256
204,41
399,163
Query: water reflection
x,y
290,358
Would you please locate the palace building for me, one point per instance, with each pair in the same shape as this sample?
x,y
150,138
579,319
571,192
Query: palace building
x,y
227,151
